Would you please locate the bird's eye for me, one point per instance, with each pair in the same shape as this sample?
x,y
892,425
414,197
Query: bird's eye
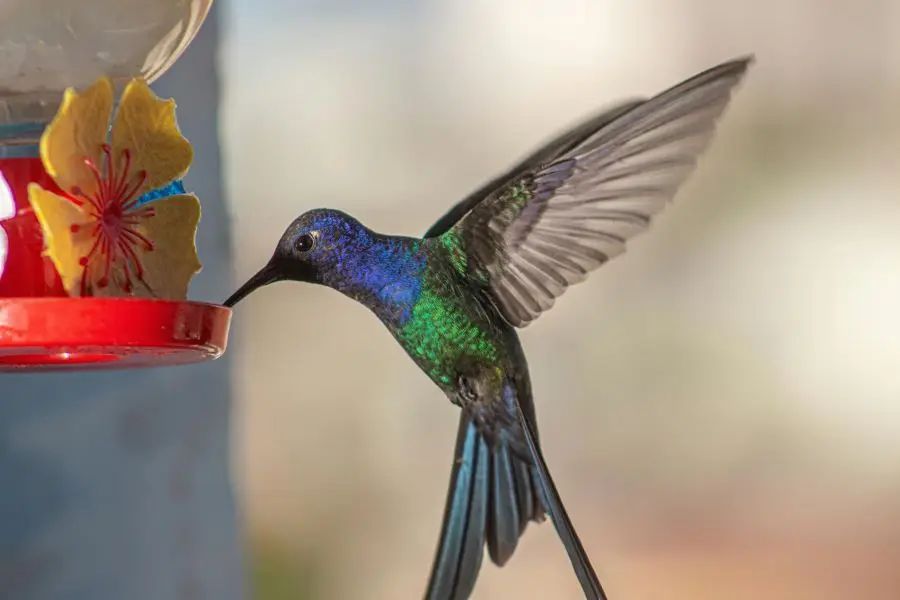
x,y
305,243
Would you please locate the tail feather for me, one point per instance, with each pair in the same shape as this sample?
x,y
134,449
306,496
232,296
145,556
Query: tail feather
x,y
531,505
492,496
497,486
505,526
590,583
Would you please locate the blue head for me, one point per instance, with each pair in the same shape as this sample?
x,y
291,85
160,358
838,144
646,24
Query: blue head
x,y
309,250
334,249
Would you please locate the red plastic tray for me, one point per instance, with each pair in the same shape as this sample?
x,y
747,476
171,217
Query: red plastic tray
x,y
49,334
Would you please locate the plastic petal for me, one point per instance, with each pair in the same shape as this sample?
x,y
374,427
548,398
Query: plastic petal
x,y
78,132
65,247
173,262
146,126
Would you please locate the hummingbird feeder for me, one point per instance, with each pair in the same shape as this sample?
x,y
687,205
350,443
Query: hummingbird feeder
x,y
97,233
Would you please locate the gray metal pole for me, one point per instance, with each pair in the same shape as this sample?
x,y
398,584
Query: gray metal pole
x,y
116,486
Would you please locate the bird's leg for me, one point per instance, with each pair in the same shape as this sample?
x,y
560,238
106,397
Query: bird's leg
x,y
466,391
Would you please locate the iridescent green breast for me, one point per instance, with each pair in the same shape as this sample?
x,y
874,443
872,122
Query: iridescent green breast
x,y
448,326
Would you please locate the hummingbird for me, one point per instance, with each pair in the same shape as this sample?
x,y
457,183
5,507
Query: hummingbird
x,y
495,262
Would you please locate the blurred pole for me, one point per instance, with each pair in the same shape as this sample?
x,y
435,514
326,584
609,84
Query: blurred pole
x,y
116,486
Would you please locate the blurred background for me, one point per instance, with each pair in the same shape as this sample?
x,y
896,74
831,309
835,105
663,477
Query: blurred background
x,y
720,406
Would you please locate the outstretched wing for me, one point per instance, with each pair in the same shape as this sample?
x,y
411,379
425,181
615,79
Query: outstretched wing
x,y
546,153
550,222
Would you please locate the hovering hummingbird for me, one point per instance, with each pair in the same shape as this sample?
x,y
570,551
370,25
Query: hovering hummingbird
x,y
495,262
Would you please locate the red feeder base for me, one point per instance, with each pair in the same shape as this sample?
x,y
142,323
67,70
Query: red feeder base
x,y
50,334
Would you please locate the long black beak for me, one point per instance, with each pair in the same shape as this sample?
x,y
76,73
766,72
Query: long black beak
x,y
268,274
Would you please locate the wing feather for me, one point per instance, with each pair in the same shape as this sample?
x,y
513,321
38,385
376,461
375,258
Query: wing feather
x,y
574,205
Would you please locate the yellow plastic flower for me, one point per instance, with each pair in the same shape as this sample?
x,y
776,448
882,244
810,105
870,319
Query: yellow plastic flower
x,y
101,239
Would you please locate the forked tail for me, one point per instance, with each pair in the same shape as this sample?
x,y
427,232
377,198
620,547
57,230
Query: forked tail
x,y
493,495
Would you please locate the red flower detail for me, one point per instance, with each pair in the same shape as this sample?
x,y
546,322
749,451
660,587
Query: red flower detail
x,y
114,215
